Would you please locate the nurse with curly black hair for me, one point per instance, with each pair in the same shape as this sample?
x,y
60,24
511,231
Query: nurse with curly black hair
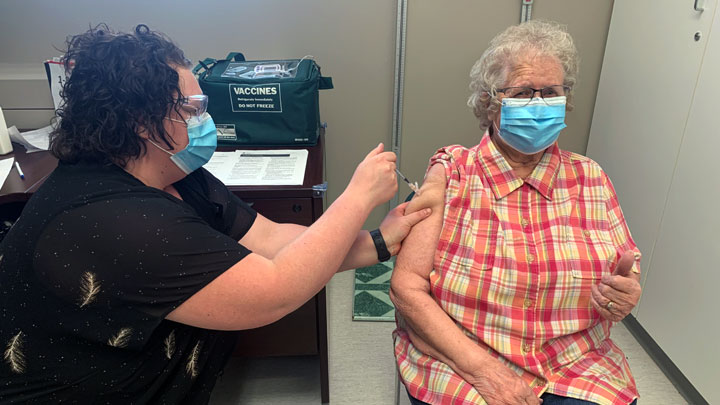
x,y
131,266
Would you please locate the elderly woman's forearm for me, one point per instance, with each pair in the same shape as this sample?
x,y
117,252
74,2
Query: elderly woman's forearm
x,y
437,334
421,344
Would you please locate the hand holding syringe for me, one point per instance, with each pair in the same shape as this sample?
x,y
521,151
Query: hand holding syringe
x,y
413,185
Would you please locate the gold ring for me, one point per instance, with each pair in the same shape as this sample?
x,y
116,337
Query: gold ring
x,y
610,306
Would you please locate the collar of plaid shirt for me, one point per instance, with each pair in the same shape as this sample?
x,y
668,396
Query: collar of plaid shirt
x,y
526,253
502,178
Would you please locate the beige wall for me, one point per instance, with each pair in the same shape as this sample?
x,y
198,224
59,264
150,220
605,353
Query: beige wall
x,y
353,41
444,39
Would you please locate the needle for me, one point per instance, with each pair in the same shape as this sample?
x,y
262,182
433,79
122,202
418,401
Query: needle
x,y
413,185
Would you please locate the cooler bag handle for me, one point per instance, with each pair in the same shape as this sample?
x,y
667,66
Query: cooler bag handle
x,y
236,56
325,83
206,64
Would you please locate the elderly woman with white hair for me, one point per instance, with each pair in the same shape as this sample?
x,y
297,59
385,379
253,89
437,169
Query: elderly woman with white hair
x,y
508,292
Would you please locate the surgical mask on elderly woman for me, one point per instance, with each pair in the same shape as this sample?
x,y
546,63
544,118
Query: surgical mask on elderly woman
x,y
531,127
202,142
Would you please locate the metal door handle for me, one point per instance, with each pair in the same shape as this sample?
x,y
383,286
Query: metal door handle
x,y
700,5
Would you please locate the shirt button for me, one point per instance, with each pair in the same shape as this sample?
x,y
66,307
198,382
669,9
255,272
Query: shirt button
x,y
586,233
527,303
530,258
526,348
524,222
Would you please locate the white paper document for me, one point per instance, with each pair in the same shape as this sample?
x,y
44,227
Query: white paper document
x,y
33,141
57,77
5,167
276,167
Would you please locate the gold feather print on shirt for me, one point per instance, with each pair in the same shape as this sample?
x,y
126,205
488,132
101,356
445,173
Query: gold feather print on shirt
x,y
191,366
13,354
121,339
89,288
170,345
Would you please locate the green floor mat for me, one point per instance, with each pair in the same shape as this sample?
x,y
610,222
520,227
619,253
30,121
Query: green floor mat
x,y
371,299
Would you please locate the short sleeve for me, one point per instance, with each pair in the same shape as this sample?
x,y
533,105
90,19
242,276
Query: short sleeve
x,y
239,215
137,256
452,158
444,157
213,202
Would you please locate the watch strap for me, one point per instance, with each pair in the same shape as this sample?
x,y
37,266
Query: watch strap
x,y
382,251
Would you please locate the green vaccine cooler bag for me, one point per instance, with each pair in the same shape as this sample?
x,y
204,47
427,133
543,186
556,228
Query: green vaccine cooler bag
x,y
263,102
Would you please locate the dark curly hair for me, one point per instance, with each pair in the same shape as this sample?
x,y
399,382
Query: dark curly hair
x,y
118,84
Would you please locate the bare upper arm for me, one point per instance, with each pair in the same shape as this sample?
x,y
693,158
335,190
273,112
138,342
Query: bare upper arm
x,y
432,192
415,260
243,297
266,237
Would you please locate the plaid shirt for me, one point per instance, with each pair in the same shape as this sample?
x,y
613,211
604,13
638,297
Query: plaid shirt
x,y
513,269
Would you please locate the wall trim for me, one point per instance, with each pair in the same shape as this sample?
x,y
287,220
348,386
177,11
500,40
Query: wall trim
x,y
676,377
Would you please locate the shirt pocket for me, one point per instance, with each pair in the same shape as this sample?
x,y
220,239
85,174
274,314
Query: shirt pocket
x,y
588,255
591,253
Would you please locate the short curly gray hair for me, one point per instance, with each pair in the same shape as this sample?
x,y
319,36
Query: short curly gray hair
x,y
544,38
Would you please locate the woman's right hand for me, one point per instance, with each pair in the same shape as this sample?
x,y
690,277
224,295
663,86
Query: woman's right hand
x,y
374,179
499,385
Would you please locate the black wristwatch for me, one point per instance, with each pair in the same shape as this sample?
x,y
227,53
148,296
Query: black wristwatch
x,y
382,251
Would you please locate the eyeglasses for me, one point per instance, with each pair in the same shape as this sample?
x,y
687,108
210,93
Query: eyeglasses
x,y
528,93
195,106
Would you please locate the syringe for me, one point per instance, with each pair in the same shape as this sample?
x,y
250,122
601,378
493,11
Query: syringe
x,y
413,185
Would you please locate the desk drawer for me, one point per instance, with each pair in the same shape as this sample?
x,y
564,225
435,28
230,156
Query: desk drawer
x,y
284,210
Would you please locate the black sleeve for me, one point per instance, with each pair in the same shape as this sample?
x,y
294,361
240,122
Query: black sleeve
x,y
212,200
145,255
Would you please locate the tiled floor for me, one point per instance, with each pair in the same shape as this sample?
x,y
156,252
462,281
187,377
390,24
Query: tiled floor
x,y
362,369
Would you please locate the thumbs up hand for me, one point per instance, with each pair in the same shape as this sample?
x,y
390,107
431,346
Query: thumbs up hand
x,y
617,294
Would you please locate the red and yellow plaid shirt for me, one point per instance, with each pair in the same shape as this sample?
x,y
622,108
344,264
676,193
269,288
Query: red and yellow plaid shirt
x,y
513,269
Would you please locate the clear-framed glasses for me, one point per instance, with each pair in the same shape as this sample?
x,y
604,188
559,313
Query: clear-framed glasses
x,y
193,107
528,93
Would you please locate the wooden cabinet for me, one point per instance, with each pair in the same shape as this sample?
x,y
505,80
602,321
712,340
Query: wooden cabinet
x,y
296,333
303,332
285,210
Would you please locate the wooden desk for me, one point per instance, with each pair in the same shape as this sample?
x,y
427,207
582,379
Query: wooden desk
x,y
16,191
35,166
303,332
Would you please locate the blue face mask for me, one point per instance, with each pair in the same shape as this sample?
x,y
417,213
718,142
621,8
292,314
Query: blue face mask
x,y
531,127
202,142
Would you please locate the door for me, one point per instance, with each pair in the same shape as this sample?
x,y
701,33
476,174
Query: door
x,y
646,86
680,308
655,132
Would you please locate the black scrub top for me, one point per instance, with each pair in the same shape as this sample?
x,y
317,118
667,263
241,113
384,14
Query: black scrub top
x,y
89,272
